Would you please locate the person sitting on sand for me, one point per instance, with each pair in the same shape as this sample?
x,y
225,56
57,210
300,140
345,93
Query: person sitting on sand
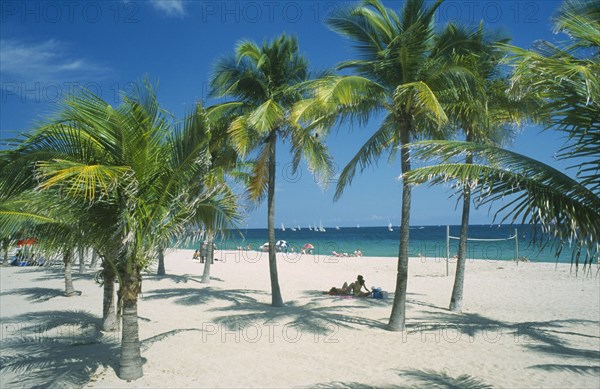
x,y
357,287
358,253
354,289
196,254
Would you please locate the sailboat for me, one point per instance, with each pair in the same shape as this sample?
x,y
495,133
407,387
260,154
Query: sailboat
x,y
321,229
337,228
310,227
293,229
298,228
390,228
282,227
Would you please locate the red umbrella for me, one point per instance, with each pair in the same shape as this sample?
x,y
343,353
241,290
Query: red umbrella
x,y
308,246
26,242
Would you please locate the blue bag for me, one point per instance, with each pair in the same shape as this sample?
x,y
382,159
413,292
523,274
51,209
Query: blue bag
x,y
377,293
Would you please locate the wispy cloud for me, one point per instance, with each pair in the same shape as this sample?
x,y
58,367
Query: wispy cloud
x,y
47,61
169,7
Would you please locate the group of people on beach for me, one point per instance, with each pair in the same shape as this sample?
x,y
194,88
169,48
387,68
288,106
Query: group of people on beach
x,y
357,253
23,258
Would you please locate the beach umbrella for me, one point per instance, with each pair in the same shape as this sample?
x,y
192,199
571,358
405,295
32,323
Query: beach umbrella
x,y
308,246
26,242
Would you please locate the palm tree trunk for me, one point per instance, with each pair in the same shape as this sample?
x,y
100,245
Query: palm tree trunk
x,y
5,244
276,299
67,259
161,262
398,315
94,262
81,252
209,257
459,279
130,365
109,316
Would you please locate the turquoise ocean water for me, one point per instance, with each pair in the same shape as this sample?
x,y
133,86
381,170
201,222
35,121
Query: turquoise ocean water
x,y
429,241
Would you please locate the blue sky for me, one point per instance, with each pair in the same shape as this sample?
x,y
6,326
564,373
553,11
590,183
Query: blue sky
x,y
47,48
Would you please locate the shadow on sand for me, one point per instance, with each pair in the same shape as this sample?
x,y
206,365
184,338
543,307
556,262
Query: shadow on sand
x,y
435,379
54,349
309,317
244,310
556,338
198,296
416,379
36,295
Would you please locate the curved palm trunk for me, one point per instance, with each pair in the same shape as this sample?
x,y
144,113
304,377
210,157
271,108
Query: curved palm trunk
x,y
276,299
109,316
398,315
130,364
161,262
459,279
209,257
68,259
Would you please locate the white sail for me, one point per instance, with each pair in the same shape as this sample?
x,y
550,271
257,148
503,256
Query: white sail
x,y
321,227
390,227
282,227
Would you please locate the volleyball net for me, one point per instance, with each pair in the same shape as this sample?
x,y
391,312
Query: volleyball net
x,y
449,237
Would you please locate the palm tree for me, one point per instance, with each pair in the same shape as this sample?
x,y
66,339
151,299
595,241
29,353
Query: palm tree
x,y
484,113
263,81
566,77
399,73
57,225
136,159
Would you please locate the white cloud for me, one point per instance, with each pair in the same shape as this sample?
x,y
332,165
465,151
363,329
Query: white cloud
x,y
170,7
47,61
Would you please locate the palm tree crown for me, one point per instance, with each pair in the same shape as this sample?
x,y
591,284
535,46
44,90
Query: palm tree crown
x,y
566,78
263,83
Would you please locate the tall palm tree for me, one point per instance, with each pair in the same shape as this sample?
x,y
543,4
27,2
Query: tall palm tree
x,y
138,159
263,83
400,73
483,113
566,77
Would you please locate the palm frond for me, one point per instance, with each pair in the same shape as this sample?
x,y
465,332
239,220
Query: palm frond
x,y
537,193
383,139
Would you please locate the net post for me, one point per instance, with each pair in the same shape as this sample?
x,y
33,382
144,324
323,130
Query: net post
x,y
447,248
516,246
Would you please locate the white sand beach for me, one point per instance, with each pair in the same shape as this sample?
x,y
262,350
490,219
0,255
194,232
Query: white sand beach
x,y
522,326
